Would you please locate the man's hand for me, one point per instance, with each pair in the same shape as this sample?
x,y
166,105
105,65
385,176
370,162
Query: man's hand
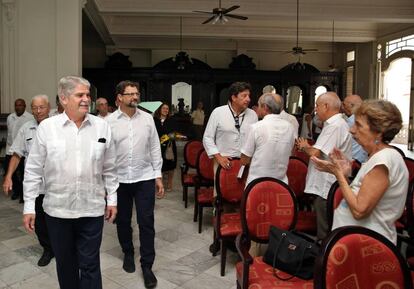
x,y
7,185
110,213
29,222
301,144
159,188
224,162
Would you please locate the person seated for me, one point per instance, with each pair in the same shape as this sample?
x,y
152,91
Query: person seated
x,y
376,197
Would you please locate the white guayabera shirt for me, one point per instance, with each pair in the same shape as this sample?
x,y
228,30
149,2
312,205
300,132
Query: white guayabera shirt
x,y
78,166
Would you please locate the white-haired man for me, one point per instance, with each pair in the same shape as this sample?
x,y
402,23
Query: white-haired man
x,y
20,149
334,134
102,108
73,154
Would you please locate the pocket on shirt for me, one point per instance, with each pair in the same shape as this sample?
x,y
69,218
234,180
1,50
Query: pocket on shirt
x,y
56,149
97,150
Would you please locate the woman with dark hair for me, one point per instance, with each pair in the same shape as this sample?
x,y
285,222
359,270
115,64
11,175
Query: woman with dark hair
x,y
166,128
376,197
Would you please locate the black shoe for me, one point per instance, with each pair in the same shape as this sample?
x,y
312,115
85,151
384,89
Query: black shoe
x,y
129,263
214,248
45,259
15,196
150,281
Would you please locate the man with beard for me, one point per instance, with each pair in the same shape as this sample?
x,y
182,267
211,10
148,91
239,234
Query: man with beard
x,y
139,162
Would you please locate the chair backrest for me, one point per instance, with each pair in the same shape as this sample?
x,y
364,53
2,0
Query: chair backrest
x,y
296,174
205,166
266,202
410,166
301,155
191,151
334,198
399,150
229,188
409,207
356,165
356,257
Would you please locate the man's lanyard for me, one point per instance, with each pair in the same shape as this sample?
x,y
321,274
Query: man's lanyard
x,y
237,121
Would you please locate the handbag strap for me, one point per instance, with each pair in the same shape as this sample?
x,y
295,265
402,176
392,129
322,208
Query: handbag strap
x,y
275,258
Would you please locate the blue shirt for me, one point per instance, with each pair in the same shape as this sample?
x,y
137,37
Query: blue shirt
x,y
358,153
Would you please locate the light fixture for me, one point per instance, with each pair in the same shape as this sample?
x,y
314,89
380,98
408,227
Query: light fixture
x,y
332,66
182,59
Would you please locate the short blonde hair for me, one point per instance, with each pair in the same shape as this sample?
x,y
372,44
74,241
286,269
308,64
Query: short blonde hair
x,y
382,117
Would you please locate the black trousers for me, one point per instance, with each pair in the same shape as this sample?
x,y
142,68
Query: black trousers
x,y
17,177
76,244
40,225
144,195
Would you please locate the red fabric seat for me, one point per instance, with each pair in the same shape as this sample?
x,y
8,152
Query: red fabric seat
x,y
261,276
205,195
306,222
188,179
230,225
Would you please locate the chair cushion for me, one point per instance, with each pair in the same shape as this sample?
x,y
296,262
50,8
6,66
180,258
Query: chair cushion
x,y
261,276
189,179
205,195
306,222
230,224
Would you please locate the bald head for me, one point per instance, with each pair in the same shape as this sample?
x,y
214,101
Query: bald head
x,y
351,103
327,105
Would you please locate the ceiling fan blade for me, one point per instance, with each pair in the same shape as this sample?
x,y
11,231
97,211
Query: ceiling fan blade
x,y
237,16
311,49
209,19
204,12
231,9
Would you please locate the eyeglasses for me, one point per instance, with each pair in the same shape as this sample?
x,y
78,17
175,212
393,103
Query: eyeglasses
x,y
132,94
237,123
39,108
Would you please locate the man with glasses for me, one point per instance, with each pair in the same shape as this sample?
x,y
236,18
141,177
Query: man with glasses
x,y
73,155
20,149
334,134
139,165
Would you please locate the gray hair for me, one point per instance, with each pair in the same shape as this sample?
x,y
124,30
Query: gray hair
x,y
272,101
331,99
41,96
68,84
269,89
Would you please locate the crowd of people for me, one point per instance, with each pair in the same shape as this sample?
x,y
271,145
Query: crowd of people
x,y
82,169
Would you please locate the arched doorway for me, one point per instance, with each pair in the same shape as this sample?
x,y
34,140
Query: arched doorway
x,y
398,87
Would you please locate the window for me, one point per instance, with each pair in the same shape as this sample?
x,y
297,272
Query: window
x,y
350,56
403,43
349,88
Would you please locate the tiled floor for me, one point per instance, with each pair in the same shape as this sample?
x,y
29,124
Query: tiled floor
x,y
183,259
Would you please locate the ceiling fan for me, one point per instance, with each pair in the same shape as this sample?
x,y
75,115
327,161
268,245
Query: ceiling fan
x,y
220,14
297,50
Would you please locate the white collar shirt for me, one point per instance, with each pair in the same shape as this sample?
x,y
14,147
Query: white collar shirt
x,y
292,119
221,135
269,144
78,167
104,117
24,139
138,150
334,134
14,123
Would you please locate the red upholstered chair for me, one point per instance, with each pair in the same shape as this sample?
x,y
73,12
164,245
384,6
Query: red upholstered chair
x,y
265,202
296,173
332,202
356,165
191,151
402,223
356,257
301,155
229,194
204,182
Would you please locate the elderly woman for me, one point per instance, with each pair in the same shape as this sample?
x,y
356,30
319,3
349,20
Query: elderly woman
x,y
375,199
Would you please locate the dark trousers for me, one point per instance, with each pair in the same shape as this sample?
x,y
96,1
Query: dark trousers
x,y
40,225
17,177
144,195
321,217
76,244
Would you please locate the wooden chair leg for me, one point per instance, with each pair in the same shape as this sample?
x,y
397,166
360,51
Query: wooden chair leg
x,y
223,258
200,219
195,210
185,196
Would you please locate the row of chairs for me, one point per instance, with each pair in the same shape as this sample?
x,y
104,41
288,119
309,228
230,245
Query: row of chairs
x,y
351,257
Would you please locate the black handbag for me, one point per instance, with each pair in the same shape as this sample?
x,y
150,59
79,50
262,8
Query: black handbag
x,y
291,253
